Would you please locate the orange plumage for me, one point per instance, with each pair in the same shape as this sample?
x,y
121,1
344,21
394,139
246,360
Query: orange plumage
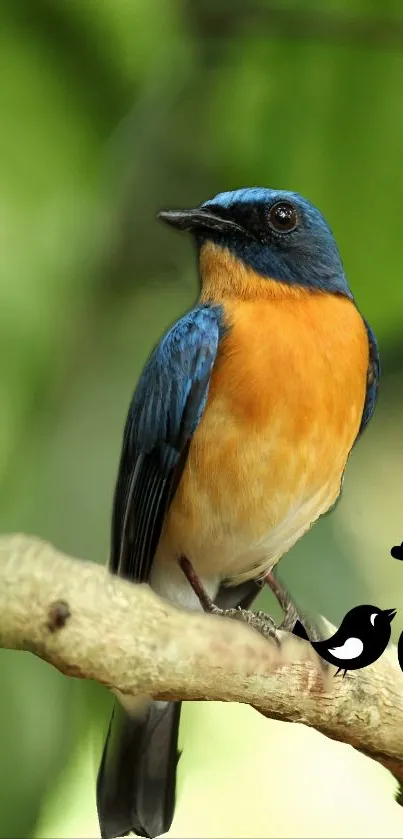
x,y
284,408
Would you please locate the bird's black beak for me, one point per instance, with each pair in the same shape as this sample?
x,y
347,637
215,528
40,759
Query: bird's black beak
x,y
199,220
390,614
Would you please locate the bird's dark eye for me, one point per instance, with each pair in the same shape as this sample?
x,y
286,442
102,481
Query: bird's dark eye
x,y
282,217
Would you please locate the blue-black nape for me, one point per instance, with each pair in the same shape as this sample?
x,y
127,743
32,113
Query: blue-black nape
x,y
281,235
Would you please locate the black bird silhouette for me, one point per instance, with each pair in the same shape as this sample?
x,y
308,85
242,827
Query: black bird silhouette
x,y
400,650
397,551
362,637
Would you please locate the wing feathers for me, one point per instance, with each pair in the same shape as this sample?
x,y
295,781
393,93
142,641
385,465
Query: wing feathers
x,y
164,414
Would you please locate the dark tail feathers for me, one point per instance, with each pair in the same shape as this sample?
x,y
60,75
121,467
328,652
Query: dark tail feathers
x,y
136,779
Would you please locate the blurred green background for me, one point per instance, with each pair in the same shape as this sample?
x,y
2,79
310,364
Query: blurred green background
x,y
111,110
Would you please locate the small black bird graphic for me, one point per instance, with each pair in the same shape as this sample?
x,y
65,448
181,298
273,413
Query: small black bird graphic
x,y
397,551
400,650
360,640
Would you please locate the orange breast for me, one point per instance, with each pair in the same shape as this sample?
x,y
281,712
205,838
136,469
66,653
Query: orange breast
x,y
284,408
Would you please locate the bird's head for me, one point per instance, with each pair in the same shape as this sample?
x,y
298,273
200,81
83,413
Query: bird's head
x,y
271,234
382,617
371,616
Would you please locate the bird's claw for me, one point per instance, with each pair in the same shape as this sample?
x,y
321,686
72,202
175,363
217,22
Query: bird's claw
x,y
263,623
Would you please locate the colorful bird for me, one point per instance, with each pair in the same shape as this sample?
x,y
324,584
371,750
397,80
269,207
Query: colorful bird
x,y
360,640
236,441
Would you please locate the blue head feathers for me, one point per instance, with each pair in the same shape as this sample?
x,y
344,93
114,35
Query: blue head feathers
x,y
278,234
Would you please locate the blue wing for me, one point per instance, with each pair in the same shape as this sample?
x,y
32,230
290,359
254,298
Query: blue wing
x,y
372,380
165,411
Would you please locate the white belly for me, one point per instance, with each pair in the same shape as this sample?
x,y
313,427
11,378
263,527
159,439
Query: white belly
x,y
260,557
221,554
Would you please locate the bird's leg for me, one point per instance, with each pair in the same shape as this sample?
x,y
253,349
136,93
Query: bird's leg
x,y
292,616
291,612
194,581
258,620
284,600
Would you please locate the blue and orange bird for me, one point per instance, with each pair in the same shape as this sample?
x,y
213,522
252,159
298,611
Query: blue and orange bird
x,y
236,441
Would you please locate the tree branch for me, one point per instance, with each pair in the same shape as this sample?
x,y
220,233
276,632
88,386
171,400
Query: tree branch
x,y
91,625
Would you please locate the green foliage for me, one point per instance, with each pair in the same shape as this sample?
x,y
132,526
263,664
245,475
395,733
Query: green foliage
x,y
110,110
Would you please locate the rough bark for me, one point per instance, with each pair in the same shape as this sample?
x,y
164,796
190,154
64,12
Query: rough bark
x,y
91,625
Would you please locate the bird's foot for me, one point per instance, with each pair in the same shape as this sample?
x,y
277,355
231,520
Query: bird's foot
x,y
291,612
295,621
263,623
